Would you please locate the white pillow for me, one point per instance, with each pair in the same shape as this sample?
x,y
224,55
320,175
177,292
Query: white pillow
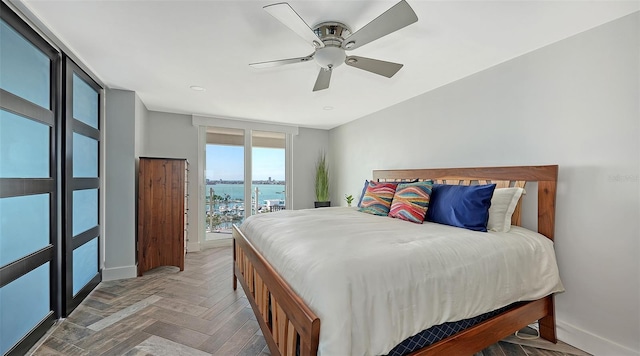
x,y
503,203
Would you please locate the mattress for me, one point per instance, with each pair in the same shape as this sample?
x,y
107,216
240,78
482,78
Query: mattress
x,y
374,281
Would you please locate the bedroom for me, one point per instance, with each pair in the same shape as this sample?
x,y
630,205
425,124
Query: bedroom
x,y
573,103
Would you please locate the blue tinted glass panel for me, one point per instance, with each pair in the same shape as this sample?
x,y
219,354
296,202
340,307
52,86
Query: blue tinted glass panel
x,y
85,156
85,210
24,226
24,147
24,69
85,264
85,102
24,303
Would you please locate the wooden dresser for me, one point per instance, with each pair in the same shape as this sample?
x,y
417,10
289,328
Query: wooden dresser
x,y
162,213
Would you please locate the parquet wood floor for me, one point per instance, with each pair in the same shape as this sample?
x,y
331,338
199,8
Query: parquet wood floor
x,y
194,312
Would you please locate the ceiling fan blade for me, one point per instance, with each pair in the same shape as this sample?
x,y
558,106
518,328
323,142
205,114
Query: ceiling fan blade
x,y
324,77
387,69
285,14
280,62
397,17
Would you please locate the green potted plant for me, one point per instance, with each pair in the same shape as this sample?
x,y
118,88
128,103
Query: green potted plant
x,y
349,199
322,183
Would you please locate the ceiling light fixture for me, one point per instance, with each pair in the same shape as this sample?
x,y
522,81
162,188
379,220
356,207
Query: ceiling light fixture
x,y
197,88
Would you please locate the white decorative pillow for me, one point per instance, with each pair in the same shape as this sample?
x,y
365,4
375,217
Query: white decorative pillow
x,y
503,203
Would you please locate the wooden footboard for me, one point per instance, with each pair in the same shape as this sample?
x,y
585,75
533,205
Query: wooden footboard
x,y
284,318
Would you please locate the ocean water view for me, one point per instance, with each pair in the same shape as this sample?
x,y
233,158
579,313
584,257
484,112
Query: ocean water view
x,y
236,191
228,205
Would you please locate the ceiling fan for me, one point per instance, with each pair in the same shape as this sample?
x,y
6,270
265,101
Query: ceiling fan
x,y
331,39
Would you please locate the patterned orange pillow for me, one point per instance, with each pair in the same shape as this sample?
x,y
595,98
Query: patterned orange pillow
x,y
411,201
377,199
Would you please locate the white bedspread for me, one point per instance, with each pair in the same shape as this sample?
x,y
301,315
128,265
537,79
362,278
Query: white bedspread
x,y
374,281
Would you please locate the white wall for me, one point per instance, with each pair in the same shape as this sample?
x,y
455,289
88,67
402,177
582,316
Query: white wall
x,y
307,146
574,103
124,111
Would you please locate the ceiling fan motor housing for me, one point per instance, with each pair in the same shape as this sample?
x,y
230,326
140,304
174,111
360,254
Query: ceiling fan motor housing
x,y
332,35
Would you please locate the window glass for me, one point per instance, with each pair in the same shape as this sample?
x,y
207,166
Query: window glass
x,y
224,196
24,147
24,69
25,302
85,156
85,210
268,171
24,226
85,102
85,264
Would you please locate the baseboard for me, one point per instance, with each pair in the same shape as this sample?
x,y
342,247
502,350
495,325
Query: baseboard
x,y
591,343
217,243
193,246
110,274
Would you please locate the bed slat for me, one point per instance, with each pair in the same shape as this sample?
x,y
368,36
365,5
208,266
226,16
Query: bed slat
x,y
262,297
516,217
280,327
292,338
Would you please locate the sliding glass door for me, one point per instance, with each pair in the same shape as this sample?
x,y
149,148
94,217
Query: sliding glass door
x,y
232,156
224,178
82,183
268,184
49,184
28,185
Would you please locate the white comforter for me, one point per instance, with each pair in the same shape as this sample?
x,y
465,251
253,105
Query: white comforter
x,y
374,281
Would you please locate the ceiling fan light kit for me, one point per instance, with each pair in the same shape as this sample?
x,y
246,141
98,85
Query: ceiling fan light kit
x,y
331,39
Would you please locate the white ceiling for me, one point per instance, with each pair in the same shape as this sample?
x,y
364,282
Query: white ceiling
x,y
161,48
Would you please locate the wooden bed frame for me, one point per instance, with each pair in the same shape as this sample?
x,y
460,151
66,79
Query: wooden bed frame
x,y
286,321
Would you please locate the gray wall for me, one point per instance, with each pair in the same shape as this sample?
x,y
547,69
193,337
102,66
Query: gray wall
x,y
574,103
124,113
307,145
173,136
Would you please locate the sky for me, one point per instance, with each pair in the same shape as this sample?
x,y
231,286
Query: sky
x,y
227,163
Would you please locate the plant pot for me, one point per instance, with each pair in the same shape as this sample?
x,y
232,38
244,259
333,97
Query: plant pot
x,y
322,204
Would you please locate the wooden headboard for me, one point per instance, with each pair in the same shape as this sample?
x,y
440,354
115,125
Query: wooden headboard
x,y
517,176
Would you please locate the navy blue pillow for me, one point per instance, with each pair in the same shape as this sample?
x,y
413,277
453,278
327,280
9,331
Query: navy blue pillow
x,y
465,206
